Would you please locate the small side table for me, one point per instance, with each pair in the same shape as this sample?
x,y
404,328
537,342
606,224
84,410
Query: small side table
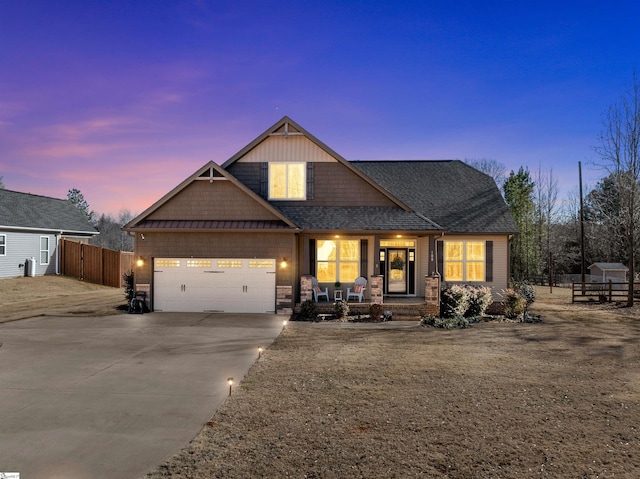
x,y
337,294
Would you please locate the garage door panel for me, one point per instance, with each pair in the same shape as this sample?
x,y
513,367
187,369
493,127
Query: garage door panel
x,y
214,284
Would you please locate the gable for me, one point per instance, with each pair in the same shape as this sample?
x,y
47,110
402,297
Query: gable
x,y
287,149
215,200
330,179
210,199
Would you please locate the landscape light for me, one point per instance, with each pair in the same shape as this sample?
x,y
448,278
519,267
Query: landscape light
x,y
230,382
284,324
259,351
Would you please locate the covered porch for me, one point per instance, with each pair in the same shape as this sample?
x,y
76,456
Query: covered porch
x,y
403,307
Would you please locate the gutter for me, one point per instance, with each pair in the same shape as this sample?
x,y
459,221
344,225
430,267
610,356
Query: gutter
x,y
48,230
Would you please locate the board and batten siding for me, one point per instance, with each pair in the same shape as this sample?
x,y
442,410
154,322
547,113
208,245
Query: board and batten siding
x,y
500,258
294,148
19,247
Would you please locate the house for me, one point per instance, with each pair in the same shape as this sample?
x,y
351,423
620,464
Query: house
x,y
31,227
603,272
249,235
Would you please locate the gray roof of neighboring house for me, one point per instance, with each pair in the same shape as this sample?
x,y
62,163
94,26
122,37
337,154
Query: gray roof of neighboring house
x,y
450,193
357,218
27,211
610,266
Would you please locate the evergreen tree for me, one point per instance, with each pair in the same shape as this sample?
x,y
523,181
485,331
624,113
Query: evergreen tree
x,y
518,193
76,198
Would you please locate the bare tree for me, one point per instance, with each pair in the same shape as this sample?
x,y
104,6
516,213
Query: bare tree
x,y
619,153
546,208
493,168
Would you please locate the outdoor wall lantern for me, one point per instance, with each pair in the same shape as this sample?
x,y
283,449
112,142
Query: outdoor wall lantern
x,y
284,263
140,263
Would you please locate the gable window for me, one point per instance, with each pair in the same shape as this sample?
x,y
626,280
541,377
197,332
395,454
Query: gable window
x,y
337,260
287,181
44,250
464,260
3,245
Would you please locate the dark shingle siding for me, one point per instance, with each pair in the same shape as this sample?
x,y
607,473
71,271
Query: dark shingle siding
x,y
23,210
451,193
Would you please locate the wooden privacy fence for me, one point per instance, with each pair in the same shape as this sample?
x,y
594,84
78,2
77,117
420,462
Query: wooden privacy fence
x,y
94,264
602,292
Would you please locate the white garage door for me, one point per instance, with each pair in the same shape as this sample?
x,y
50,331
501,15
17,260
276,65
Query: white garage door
x,y
214,284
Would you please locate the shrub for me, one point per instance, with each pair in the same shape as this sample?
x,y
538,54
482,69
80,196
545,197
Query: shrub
x,y
454,301
445,323
375,311
308,310
514,303
526,290
479,300
128,286
340,309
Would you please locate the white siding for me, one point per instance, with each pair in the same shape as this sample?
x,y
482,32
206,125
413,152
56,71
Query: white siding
x,y
291,149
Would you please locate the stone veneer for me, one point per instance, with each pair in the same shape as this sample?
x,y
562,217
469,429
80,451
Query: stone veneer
x,y
432,295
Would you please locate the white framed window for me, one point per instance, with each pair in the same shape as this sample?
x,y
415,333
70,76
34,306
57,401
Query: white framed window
x,y
464,260
44,250
3,245
337,260
287,181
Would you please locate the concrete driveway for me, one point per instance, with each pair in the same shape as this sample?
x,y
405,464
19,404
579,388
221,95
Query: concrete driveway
x,y
114,396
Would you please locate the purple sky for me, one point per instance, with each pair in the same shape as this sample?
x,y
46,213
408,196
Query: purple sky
x,y
125,99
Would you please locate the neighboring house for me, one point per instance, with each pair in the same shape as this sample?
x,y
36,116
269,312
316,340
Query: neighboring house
x,y
30,230
246,236
603,272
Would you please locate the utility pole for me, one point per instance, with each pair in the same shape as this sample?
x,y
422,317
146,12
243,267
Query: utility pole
x,y
582,266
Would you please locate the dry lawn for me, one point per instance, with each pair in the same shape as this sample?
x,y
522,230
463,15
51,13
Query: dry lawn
x,y
27,297
557,399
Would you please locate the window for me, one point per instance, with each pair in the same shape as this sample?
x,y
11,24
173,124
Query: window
x,y
287,181
3,245
464,260
338,260
44,250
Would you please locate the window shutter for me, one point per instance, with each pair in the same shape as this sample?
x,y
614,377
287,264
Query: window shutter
x,y
312,257
310,168
264,179
440,258
364,258
489,261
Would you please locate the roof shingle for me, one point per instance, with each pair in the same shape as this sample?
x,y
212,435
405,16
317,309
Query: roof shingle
x,y
24,210
451,193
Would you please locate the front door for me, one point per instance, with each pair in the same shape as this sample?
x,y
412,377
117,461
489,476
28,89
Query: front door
x,y
397,271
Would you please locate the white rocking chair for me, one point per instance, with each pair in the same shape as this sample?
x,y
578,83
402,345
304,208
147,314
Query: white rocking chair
x,y
317,292
358,289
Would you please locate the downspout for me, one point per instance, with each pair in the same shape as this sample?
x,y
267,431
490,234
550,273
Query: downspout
x,y
58,236
435,247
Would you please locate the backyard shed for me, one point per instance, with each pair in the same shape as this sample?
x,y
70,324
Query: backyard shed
x,y
603,272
